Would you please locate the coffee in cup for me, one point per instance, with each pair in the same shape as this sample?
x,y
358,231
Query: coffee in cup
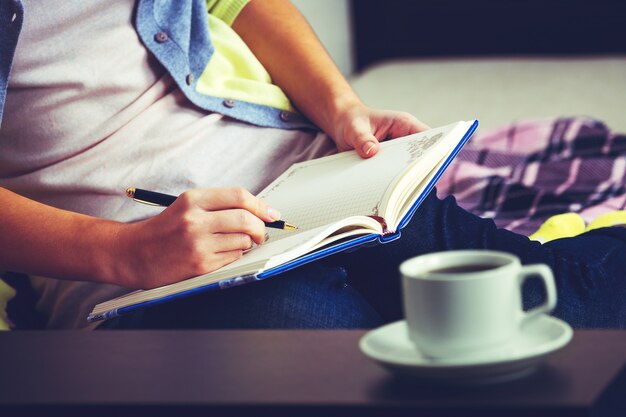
x,y
468,303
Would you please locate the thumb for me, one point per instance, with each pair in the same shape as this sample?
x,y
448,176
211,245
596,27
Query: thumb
x,y
365,143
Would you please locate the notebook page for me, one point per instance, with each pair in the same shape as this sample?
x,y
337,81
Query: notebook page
x,y
410,187
325,190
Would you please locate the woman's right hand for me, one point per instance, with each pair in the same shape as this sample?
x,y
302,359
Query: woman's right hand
x,y
201,231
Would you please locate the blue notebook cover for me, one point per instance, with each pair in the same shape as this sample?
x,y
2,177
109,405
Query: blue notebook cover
x,y
351,244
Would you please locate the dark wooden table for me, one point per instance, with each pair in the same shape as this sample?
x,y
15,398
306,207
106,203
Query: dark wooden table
x,y
281,373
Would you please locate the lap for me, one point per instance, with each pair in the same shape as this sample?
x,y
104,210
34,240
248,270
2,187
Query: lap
x,y
588,269
313,296
362,289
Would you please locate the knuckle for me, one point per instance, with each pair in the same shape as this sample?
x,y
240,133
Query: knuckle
x,y
355,124
188,223
252,224
241,196
259,205
243,219
248,221
186,199
408,118
245,241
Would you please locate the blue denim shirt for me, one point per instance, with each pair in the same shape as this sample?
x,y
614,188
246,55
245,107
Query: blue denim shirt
x,y
177,33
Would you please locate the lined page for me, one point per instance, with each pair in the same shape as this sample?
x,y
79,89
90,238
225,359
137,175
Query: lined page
x,y
322,191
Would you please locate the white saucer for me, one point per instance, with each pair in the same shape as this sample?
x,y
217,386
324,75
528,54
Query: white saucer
x,y
390,346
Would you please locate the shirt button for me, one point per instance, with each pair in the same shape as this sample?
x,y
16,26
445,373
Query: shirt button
x,y
229,103
13,17
161,37
189,79
285,116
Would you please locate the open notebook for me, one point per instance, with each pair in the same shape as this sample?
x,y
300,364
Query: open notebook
x,y
338,202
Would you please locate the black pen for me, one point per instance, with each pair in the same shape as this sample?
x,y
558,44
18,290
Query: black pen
x,y
159,199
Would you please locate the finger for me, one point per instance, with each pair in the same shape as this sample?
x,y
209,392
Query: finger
x,y
229,198
227,257
364,141
415,125
404,124
407,124
226,242
237,221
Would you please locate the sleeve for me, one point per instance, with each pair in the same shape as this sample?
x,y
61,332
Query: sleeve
x,y
226,10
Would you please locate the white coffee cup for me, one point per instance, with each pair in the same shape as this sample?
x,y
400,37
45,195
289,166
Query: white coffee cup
x,y
468,303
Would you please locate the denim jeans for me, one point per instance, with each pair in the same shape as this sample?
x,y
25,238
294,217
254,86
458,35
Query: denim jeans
x,y
361,289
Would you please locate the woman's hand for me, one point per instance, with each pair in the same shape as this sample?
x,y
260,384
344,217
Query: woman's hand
x,y
285,44
200,232
361,128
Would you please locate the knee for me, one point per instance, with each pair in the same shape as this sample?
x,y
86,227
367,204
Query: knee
x,y
592,288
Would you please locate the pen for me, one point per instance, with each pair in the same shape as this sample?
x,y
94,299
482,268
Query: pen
x,y
159,199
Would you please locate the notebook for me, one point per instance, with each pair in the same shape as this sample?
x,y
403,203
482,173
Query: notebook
x,y
338,202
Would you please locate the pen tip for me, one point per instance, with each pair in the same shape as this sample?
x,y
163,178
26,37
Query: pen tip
x,y
130,192
289,226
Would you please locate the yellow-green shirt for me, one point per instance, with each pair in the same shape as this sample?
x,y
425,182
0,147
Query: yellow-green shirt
x,y
234,71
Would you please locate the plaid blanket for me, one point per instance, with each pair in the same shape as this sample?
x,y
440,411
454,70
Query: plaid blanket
x,y
521,174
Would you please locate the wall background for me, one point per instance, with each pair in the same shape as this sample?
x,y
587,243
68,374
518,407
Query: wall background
x,y
331,20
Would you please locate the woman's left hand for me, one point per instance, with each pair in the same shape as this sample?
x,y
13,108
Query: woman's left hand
x,y
285,44
361,128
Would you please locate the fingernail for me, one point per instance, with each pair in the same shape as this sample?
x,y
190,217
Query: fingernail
x,y
273,213
368,147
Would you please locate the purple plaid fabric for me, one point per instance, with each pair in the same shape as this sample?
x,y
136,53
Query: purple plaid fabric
x,y
524,173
